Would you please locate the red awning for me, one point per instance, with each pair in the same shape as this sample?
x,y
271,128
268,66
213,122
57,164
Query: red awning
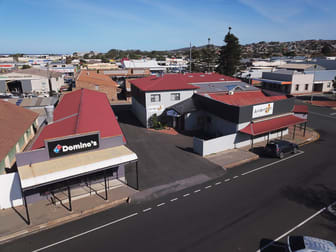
x,y
302,109
266,126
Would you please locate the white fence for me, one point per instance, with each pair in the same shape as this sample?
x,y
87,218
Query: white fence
x,y
236,140
10,191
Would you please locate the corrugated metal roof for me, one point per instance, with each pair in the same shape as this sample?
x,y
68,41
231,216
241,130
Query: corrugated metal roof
x,y
262,127
179,81
245,98
323,75
81,111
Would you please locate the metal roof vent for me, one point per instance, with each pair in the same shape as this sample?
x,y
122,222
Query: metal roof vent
x,y
231,92
221,78
202,75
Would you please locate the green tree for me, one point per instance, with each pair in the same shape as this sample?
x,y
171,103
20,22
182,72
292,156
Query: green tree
x,y
326,50
229,58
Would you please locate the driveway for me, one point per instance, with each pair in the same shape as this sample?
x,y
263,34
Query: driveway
x,y
163,158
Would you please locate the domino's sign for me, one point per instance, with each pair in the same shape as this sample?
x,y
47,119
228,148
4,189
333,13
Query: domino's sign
x,y
61,147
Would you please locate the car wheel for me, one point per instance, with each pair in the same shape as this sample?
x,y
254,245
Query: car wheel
x,y
281,155
295,150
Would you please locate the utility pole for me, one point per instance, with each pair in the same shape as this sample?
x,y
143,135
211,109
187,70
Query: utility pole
x,y
209,55
190,60
49,81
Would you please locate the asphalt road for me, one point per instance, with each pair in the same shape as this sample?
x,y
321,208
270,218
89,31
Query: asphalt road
x,y
251,207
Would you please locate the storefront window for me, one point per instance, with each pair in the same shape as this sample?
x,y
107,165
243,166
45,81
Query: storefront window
x,y
155,98
21,142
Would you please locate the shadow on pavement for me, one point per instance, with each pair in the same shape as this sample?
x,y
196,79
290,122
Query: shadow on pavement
x,y
315,198
268,245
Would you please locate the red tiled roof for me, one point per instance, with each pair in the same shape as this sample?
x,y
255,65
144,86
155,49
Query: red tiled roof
x,y
262,127
178,81
81,111
300,109
245,98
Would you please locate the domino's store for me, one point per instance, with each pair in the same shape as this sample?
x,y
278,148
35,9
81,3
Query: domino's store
x,y
79,153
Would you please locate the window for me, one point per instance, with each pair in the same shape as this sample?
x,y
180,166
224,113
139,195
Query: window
x,y
96,87
155,98
175,96
306,86
296,87
329,84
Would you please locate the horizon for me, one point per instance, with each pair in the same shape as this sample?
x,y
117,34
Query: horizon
x,y
64,27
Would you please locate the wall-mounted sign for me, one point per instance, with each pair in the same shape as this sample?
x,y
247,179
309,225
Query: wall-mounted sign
x,y
262,110
61,147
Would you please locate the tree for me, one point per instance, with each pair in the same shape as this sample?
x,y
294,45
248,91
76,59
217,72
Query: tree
x,y
326,50
229,58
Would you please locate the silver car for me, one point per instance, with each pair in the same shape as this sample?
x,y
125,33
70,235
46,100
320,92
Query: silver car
x,y
309,244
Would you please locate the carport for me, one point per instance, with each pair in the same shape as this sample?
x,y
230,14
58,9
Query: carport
x,y
66,172
258,128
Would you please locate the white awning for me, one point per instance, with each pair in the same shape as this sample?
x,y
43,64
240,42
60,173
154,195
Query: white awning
x,y
61,168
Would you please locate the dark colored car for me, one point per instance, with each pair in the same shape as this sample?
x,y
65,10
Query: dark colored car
x,y
277,148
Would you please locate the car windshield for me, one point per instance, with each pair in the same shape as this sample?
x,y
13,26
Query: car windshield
x,y
296,243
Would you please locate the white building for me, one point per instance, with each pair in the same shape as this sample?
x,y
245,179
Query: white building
x,y
152,65
30,81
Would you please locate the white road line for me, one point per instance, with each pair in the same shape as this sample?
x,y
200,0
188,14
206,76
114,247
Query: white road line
x,y
227,180
296,227
196,191
207,187
147,209
186,195
322,115
264,166
332,113
172,200
161,204
235,177
87,232
218,183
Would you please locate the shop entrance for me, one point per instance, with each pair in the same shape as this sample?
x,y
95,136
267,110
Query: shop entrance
x,y
317,87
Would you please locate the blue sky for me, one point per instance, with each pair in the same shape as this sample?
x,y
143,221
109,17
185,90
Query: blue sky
x,y
66,26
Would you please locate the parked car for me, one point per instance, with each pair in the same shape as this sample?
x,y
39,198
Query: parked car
x,y
277,148
309,244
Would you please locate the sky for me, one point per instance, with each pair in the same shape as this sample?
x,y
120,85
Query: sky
x,y
67,26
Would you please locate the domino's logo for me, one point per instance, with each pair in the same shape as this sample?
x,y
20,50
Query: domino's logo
x,y
57,148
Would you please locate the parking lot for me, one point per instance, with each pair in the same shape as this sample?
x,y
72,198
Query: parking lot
x,y
163,159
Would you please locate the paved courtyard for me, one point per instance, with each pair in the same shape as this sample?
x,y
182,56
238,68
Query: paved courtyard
x,y
163,158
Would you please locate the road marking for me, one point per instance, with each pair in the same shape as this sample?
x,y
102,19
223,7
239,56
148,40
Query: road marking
x,y
186,195
196,191
267,165
227,180
207,187
296,227
147,209
235,177
86,232
333,113
161,204
218,183
172,200
321,115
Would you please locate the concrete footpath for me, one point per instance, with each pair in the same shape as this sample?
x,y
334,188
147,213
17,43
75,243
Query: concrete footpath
x,y
44,214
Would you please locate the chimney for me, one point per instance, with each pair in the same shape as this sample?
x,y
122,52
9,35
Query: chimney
x,y
50,113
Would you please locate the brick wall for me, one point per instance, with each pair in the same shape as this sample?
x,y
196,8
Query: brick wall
x,y
110,91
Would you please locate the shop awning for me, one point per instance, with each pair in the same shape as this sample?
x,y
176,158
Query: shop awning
x,y
262,127
63,168
301,109
274,81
